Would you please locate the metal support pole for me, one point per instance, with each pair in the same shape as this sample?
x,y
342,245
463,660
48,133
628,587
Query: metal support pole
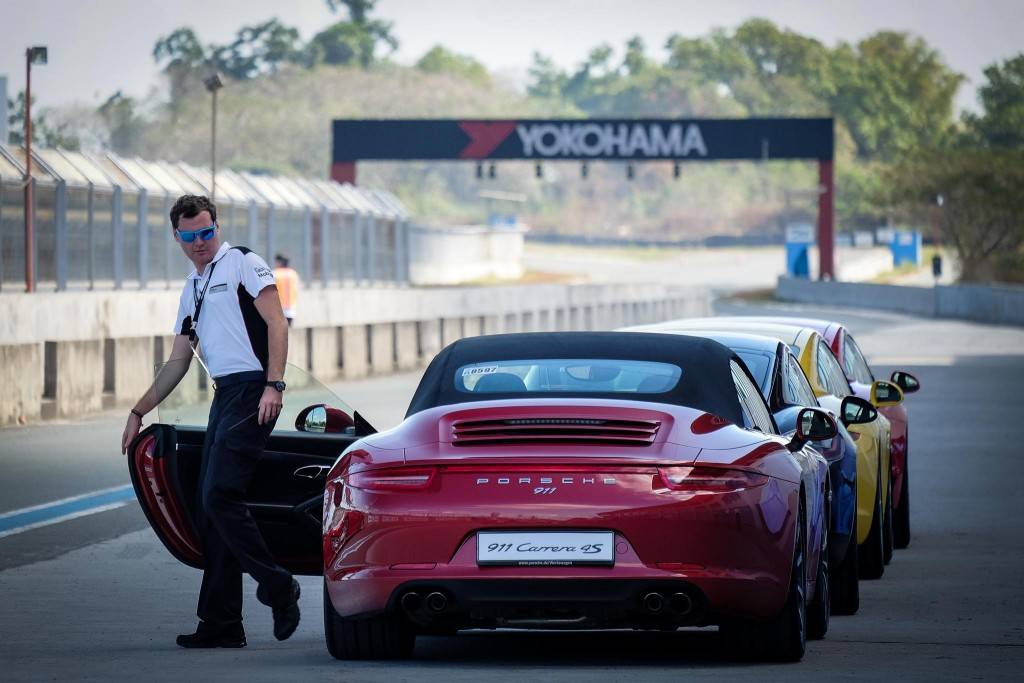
x,y
826,229
30,245
213,150
117,230
325,247
60,230
371,248
169,246
34,207
307,244
143,222
90,235
271,225
399,254
357,248
254,218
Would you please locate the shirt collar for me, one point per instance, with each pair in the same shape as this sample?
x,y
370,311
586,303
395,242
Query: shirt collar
x,y
224,246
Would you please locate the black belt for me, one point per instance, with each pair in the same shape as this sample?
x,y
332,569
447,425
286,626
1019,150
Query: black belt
x,y
225,381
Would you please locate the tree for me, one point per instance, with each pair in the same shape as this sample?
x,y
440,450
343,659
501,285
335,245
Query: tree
x,y
1001,126
894,93
258,50
43,133
982,206
353,41
441,60
125,127
546,80
182,55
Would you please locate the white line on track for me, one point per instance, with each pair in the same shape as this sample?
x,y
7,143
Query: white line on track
x,y
61,501
62,518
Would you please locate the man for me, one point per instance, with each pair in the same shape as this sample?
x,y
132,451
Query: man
x,y
287,281
230,307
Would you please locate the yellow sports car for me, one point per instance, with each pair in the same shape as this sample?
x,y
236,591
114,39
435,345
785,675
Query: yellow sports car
x,y
874,500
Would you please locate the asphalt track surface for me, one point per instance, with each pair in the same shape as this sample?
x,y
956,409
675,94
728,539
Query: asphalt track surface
x,y
98,598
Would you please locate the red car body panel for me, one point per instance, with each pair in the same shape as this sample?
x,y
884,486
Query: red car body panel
x,y
735,546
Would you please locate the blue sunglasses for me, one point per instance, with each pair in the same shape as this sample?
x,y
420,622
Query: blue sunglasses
x,y
205,234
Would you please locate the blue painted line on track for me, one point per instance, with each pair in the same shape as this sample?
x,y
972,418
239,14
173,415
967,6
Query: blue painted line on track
x,y
79,504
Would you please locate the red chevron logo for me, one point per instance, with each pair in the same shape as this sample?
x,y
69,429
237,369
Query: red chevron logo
x,y
484,137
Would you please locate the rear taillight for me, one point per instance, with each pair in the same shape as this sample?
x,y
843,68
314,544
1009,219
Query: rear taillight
x,y
411,479
709,479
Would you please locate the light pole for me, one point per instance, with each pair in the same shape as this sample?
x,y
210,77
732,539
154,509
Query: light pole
x,y
213,84
33,55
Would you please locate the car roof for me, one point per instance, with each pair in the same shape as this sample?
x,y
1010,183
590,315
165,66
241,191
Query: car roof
x,y
734,340
790,334
818,325
705,363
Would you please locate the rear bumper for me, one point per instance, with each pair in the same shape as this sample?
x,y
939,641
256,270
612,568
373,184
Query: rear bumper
x,y
571,597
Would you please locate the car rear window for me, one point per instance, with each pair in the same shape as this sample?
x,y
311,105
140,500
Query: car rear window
x,y
562,375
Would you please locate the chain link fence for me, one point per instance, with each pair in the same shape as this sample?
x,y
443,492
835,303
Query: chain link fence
x,y
101,222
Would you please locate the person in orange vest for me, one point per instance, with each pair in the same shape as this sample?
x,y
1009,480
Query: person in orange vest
x,y
287,281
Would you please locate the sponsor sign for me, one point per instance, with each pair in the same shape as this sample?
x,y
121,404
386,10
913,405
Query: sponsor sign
x,y
582,139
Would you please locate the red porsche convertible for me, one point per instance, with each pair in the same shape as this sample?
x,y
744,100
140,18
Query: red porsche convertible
x,y
553,480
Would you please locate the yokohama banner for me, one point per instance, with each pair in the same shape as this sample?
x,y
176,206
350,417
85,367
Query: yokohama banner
x,y
582,139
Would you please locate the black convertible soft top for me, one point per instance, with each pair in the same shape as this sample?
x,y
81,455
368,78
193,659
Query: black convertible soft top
x,y
706,383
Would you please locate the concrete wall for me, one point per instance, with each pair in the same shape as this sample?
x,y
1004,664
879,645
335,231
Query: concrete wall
x,y
448,256
21,376
60,364
999,304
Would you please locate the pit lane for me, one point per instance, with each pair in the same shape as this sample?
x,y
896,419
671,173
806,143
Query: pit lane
x,y
98,598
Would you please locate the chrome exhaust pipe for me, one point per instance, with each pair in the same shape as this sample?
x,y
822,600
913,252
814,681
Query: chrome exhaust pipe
x,y
681,603
437,601
654,602
411,602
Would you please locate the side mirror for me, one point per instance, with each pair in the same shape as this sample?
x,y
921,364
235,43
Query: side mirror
x,y
907,383
885,394
322,419
856,411
812,424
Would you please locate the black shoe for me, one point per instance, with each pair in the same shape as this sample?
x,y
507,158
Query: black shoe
x,y
286,616
210,636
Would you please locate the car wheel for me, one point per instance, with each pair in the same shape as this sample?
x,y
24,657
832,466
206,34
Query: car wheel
x,y
783,639
887,530
901,521
383,636
872,551
845,583
820,607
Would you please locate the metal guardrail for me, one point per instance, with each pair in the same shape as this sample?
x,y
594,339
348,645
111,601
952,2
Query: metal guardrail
x,y
101,222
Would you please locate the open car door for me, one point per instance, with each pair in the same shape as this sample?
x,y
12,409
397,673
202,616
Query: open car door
x,y
286,494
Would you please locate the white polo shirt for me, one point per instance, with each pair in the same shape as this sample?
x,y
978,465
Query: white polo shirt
x,y
232,334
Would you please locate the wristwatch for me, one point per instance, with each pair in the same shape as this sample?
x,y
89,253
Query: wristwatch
x,y
279,385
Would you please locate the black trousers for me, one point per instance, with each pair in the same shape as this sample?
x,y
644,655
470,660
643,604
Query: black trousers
x,y
232,542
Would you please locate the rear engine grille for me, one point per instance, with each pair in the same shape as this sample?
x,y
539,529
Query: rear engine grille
x,y
566,430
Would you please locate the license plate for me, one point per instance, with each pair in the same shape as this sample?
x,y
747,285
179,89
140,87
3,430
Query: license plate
x,y
545,548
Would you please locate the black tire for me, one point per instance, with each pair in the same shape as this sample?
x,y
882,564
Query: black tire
x,y
872,550
383,636
887,531
845,584
784,638
901,520
821,606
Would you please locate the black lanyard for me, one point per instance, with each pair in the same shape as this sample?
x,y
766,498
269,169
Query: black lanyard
x,y
198,299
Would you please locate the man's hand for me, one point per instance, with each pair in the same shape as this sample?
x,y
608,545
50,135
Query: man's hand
x,y
270,405
131,430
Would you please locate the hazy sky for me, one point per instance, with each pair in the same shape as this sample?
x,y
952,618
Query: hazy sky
x,y
101,46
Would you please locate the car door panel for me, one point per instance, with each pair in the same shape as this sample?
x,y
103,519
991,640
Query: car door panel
x,y
285,496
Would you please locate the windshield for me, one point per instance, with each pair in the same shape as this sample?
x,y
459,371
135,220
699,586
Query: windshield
x,y
188,403
551,375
